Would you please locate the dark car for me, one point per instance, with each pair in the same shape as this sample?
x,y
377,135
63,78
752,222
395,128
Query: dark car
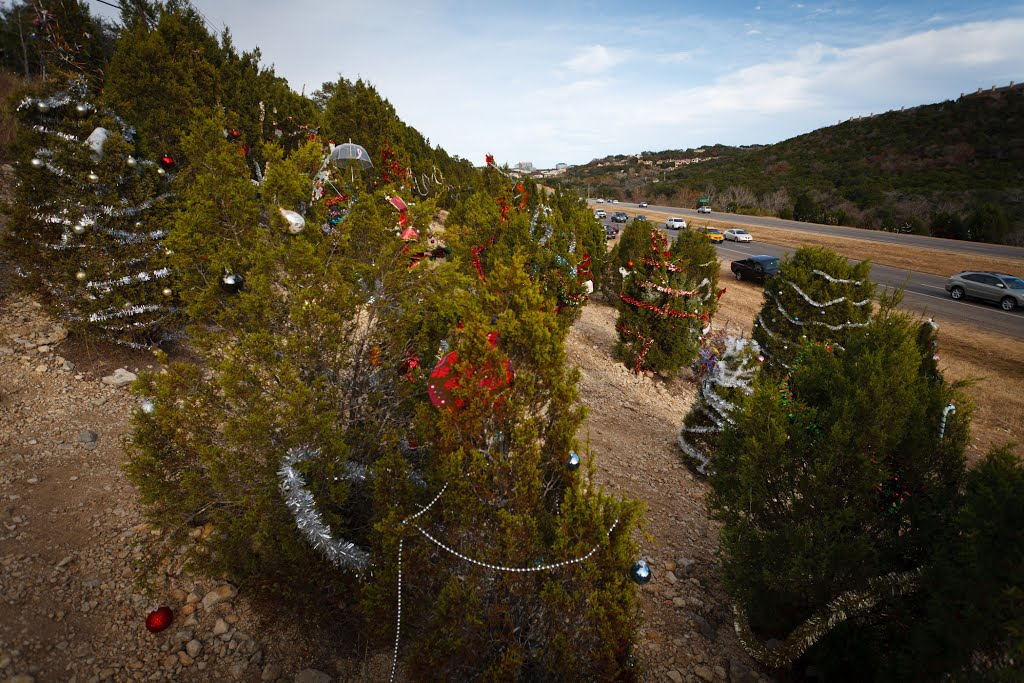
x,y
756,268
639,217
619,217
610,232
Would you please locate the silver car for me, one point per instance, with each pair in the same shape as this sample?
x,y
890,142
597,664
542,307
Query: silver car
x,y
1005,290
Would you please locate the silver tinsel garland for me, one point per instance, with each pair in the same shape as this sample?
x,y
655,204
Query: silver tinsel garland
x,y
846,605
343,554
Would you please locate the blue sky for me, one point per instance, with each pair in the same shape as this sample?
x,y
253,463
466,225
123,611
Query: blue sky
x,y
554,81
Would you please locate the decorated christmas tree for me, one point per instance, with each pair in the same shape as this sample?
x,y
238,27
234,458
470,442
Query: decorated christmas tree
x,y
817,296
394,442
90,217
836,486
666,302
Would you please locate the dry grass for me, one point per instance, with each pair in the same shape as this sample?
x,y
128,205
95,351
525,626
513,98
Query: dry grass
x,y
994,363
922,260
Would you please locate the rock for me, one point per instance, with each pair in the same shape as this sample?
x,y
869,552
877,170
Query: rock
x,y
68,365
312,676
719,671
87,436
238,671
178,595
184,658
271,672
182,637
704,673
220,628
670,566
22,678
675,676
42,368
120,378
703,626
671,577
193,648
218,595
685,566
740,672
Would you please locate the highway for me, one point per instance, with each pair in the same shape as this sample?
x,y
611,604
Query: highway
x,y
923,293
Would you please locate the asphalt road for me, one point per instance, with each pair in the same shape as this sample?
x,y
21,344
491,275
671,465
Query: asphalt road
x,y
923,293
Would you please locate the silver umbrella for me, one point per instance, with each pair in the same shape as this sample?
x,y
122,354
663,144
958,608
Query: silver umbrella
x,y
351,154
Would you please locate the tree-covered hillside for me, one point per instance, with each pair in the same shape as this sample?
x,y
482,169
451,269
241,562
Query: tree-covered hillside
x,y
953,169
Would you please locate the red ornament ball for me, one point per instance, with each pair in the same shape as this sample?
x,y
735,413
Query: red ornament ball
x,y
167,162
159,619
234,134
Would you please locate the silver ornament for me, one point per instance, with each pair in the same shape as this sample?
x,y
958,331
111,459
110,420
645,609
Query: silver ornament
x,y
161,172
81,276
82,108
79,229
574,461
132,163
148,406
640,573
92,177
167,291
43,107
296,223
37,162
231,283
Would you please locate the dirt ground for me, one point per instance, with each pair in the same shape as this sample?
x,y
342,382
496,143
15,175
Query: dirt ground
x,y
74,600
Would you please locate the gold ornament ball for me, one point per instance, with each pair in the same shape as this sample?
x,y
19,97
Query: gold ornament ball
x,y
167,291
43,107
92,177
79,229
161,172
132,163
81,275
37,162
81,109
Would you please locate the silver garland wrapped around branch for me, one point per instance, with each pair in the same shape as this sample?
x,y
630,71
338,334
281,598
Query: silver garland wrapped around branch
x,y
343,554
844,606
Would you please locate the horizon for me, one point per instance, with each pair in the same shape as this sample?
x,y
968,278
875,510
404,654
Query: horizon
x,y
585,80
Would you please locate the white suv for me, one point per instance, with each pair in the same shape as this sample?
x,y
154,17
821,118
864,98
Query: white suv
x,y
675,224
703,209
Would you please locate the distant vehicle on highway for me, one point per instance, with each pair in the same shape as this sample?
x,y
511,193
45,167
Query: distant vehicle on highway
x,y
642,205
600,201
615,201
738,235
1005,290
610,232
675,224
714,234
639,217
600,213
704,209
756,268
619,217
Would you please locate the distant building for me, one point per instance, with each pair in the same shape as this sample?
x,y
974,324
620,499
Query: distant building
x,y
525,166
561,167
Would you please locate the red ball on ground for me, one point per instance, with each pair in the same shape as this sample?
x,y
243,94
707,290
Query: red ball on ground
x,y
159,619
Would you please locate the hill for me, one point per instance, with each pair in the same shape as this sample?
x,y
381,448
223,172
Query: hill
x,y
953,169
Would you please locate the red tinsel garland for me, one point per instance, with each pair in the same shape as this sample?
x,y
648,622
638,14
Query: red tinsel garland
x,y
648,342
475,256
664,311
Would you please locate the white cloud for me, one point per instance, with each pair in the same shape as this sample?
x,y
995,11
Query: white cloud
x,y
674,58
594,59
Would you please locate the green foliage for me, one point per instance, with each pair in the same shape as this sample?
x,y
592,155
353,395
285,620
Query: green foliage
x,y
802,304
159,79
834,475
61,39
666,300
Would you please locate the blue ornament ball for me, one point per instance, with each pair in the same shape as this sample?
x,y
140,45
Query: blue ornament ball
x,y
641,572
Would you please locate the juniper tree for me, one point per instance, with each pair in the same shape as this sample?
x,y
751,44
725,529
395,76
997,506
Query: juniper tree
x,y
817,296
89,218
838,482
667,300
